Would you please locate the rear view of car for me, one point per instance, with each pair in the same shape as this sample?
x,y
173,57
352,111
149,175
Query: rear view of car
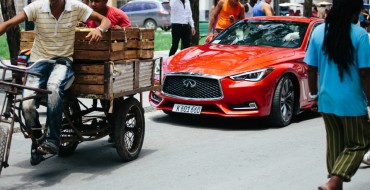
x,y
148,13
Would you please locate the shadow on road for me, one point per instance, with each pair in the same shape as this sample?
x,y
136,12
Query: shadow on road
x,y
224,123
95,158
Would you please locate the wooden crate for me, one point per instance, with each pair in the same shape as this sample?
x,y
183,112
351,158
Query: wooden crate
x,y
146,44
26,41
111,79
114,45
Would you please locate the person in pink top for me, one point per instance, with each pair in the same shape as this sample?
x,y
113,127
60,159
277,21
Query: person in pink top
x,y
117,17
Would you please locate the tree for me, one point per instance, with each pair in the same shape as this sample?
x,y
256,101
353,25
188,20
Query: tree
x,y
195,11
13,34
307,8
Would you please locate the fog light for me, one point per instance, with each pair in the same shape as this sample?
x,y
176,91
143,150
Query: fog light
x,y
156,98
245,106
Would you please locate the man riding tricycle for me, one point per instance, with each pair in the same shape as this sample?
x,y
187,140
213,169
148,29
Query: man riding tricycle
x,y
69,121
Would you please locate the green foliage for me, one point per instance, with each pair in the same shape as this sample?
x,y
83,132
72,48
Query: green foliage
x,y
4,50
162,41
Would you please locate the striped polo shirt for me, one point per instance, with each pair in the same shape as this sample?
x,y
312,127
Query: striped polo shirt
x,y
55,37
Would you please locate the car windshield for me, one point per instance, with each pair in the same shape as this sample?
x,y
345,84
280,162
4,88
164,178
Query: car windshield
x,y
263,33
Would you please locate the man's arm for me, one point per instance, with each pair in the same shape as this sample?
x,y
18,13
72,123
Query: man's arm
x,y
96,34
20,17
242,13
312,84
212,20
267,9
365,78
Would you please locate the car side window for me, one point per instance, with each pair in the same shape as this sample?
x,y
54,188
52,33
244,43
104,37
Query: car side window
x,y
309,37
128,8
137,7
150,6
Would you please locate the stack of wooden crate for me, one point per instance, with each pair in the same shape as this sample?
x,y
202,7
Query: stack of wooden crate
x,y
119,64
116,44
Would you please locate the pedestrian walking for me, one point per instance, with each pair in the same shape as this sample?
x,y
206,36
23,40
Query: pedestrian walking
x,y
339,81
263,8
226,13
212,27
249,8
182,24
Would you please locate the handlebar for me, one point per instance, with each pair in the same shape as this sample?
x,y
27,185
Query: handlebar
x,y
3,64
24,70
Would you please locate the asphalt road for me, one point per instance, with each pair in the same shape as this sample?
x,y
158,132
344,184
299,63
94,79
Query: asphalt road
x,y
197,153
189,153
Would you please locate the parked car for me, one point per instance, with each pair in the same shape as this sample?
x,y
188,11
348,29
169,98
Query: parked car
x,y
254,68
148,13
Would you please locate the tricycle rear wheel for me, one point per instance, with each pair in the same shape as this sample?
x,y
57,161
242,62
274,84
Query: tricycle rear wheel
x,y
129,126
3,139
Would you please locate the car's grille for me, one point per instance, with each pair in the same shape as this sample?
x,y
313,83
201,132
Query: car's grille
x,y
191,87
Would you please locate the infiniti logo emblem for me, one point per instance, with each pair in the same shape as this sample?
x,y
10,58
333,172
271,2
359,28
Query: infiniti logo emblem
x,y
189,83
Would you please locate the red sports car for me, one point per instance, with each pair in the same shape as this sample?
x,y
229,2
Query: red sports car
x,y
254,68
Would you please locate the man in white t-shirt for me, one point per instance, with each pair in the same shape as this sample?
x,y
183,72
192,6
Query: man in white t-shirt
x,y
182,24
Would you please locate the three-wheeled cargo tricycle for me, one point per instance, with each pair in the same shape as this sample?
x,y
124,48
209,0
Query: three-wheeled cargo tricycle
x,y
110,87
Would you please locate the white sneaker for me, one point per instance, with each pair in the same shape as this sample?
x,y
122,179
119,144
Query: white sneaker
x,y
366,159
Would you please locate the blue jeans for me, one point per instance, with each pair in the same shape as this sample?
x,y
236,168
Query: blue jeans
x,y
54,77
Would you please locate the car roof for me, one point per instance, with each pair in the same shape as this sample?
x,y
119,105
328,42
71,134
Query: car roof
x,y
287,18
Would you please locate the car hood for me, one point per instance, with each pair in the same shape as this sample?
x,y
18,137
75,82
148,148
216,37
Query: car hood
x,y
226,60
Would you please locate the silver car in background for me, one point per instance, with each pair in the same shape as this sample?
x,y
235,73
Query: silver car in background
x,y
148,13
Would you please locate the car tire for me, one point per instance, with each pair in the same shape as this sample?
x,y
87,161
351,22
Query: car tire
x,y
282,109
150,24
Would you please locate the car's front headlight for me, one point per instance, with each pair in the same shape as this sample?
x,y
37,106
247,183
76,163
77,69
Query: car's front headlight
x,y
254,76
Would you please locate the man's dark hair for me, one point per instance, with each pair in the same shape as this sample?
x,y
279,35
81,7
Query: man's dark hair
x,y
337,42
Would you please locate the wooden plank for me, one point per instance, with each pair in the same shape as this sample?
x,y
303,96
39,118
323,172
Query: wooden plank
x,y
132,44
27,36
124,80
130,54
84,45
81,36
132,33
146,44
118,34
118,46
136,75
146,73
145,54
87,89
91,55
88,79
88,69
146,33
25,45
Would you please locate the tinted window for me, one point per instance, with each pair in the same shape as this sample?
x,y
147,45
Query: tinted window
x,y
128,7
149,6
264,33
139,7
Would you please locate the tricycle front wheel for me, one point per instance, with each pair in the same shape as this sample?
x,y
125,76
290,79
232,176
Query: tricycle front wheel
x,y
129,126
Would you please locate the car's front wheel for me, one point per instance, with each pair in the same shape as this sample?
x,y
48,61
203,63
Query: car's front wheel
x,y
282,109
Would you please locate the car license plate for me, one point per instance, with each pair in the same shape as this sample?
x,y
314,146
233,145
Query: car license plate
x,y
182,108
